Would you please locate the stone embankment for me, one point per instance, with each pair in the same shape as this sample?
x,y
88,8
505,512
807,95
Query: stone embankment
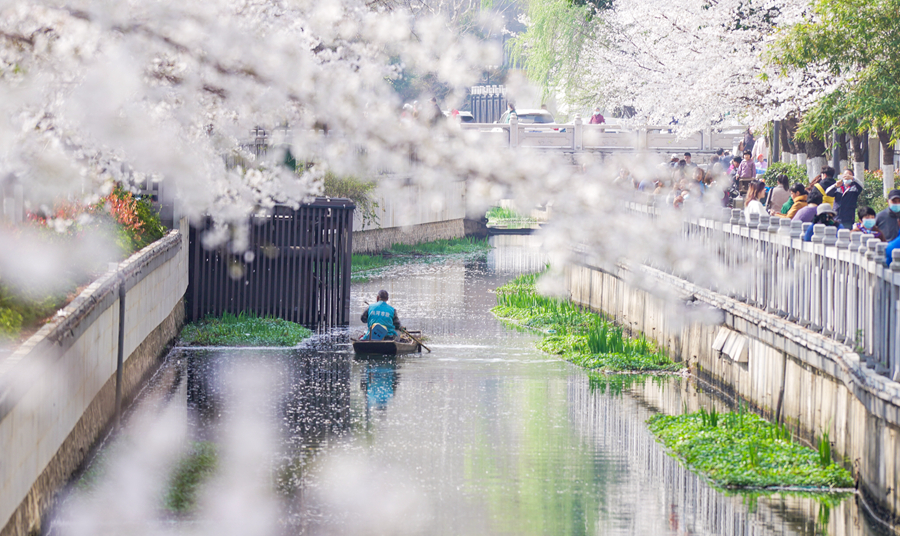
x,y
787,372
412,214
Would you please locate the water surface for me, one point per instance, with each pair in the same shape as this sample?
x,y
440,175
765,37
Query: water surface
x,y
485,435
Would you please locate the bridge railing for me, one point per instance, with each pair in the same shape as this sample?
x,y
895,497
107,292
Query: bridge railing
x,y
578,136
837,285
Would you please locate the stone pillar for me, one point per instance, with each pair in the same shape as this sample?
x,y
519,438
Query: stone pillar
x,y
578,138
513,130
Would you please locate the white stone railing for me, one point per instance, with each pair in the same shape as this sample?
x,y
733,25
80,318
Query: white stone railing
x,y
837,284
579,136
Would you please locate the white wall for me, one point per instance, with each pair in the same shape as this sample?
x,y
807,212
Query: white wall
x,y
47,385
400,205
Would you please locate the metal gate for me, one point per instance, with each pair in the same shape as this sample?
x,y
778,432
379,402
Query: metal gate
x,y
296,267
487,103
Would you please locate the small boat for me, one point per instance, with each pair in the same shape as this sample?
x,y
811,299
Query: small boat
x,y
396,347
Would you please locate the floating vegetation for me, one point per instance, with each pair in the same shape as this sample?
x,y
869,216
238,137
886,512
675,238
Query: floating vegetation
x,y
507,217
244,329
582,337
742,450
366,266
193,470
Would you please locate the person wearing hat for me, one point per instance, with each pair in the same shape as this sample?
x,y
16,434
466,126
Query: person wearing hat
x,y
825,214
888,220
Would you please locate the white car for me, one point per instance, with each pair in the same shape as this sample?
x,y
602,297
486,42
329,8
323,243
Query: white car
x,y
529,117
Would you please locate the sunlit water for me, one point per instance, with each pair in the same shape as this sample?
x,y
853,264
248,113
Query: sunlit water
x,y
485,435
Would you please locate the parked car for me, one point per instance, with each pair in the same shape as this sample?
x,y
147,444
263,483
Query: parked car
x,y
529,117
464,117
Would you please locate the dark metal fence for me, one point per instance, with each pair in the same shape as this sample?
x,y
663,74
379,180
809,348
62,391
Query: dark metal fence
x,y
487,103
297,267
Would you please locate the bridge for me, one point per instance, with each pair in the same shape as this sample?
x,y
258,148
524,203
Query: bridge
x,y
605,138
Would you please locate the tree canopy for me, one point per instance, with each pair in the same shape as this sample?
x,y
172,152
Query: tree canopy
x,y
855,43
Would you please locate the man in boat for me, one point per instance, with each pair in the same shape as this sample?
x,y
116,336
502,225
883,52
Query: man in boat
x,y
382,313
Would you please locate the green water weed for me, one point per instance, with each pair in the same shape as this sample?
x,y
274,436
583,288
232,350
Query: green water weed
x,y
750,452
580,336
244,329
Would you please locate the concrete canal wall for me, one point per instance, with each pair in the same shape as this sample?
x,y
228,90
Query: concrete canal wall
x,y
412,214
58,390
787,372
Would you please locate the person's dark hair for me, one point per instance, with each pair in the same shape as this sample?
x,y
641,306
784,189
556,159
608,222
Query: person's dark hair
x,y
754,189
720,151
687,154
865,211
736,159
828,171
714,159
798,188
748,152
382,295
783,180
814,197
682,163
511,105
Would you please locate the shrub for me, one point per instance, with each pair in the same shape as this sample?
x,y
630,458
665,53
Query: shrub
x,y
873,193
10,323
358,191
794,172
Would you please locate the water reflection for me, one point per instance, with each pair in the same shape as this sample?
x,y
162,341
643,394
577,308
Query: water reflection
x,y
485,435
379,381
516,254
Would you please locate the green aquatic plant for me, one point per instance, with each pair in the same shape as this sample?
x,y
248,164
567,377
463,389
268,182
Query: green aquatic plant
x,y
578,335
746,452
364,267
824,450
244,329
192,471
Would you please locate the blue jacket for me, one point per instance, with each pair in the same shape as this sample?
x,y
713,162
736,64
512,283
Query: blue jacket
x,y
381,313
889,251
809,232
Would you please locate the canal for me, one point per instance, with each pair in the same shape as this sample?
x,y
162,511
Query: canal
x,y
485,435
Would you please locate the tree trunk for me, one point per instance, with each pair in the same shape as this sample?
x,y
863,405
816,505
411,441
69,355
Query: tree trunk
x,y
788,143
815,157
887,159
843,158
859,158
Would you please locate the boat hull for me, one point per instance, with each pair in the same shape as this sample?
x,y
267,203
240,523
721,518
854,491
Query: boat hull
x,y
385,347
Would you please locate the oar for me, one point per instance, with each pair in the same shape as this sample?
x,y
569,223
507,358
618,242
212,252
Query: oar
x,y
422,344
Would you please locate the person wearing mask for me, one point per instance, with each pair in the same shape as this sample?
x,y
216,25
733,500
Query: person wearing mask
x,y
866,224
888,220
826,215
597,118
794,204
808,213
779,195
756,192
846,194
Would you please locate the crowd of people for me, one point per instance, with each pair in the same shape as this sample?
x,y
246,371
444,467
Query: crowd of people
x,y
826,199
